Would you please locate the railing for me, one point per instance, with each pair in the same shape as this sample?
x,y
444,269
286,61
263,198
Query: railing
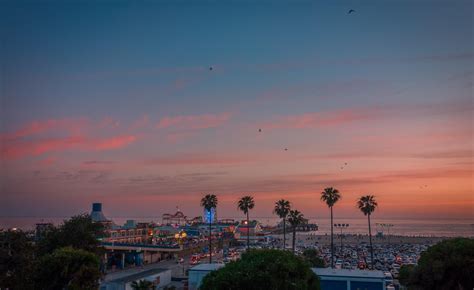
x,y
114,244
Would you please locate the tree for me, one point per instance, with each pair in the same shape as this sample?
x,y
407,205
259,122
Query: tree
x,y
16,260
405,274
295,219
245,204
330,196
282,209
68,268
446,265
142,285
263,269
79,232
209,202
367,205
313,258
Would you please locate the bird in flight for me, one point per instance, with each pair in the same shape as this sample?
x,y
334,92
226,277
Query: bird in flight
x,y
286,149
259,130
351,11
210,68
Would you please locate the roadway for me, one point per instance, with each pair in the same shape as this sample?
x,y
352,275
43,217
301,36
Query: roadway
x,y
176,268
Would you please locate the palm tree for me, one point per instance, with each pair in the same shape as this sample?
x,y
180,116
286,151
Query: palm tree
x,y
282,209
295,218
245,204
330,196
367,205
142,285
209,202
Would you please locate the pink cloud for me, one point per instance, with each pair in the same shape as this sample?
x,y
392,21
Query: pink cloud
x,y
113,143
42,126
322,119
201,159
48,161
194,122
21,148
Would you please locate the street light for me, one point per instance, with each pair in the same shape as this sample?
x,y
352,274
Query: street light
x,y
341,227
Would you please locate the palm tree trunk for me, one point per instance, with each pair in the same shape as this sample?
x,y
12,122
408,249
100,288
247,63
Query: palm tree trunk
x,y
294,238
210,241
284,233
332,242
248,231
371,248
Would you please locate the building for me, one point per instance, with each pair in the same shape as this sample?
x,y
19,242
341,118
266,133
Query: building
x,y
42,229
159,277
197,273
253,229
343,279
98,217
179,219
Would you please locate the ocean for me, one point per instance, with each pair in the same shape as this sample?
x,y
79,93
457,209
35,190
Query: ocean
x,y
404,227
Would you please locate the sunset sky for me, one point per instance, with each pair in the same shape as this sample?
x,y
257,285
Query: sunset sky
x,y
115,102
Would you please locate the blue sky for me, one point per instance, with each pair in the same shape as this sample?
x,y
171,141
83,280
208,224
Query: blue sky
x,y
123,67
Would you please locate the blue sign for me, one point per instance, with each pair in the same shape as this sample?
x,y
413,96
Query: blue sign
x,y
210,215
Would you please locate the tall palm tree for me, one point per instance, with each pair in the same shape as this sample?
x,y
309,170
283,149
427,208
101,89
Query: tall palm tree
x,y
282,209
295,218
142,285
330,196
367,205
209,202
245,204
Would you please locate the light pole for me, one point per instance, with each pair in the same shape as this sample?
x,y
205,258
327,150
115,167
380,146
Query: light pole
x,y
180,237
341,227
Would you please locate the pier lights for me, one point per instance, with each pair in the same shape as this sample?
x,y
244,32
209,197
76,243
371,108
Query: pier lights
x,y
341,227
180,237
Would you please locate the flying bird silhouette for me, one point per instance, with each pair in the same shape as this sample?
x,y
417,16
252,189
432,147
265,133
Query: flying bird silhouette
x,y
286,149
210,68
259,130
351,11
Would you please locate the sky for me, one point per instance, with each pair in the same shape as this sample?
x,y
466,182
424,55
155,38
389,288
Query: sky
x,y
146,106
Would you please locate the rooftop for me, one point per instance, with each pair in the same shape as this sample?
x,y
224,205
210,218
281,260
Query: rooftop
x,y
207,267
138,276
348,273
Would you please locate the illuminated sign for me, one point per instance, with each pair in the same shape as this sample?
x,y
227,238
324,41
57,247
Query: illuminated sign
x,y
210,215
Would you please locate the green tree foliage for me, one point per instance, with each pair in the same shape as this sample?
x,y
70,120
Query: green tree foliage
x,y
65,257
142,285
446,265
78,232
282,209
404,276
245,204
295,219
313,258
263,269
68,268
209,202
330,196
16,260
367,205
